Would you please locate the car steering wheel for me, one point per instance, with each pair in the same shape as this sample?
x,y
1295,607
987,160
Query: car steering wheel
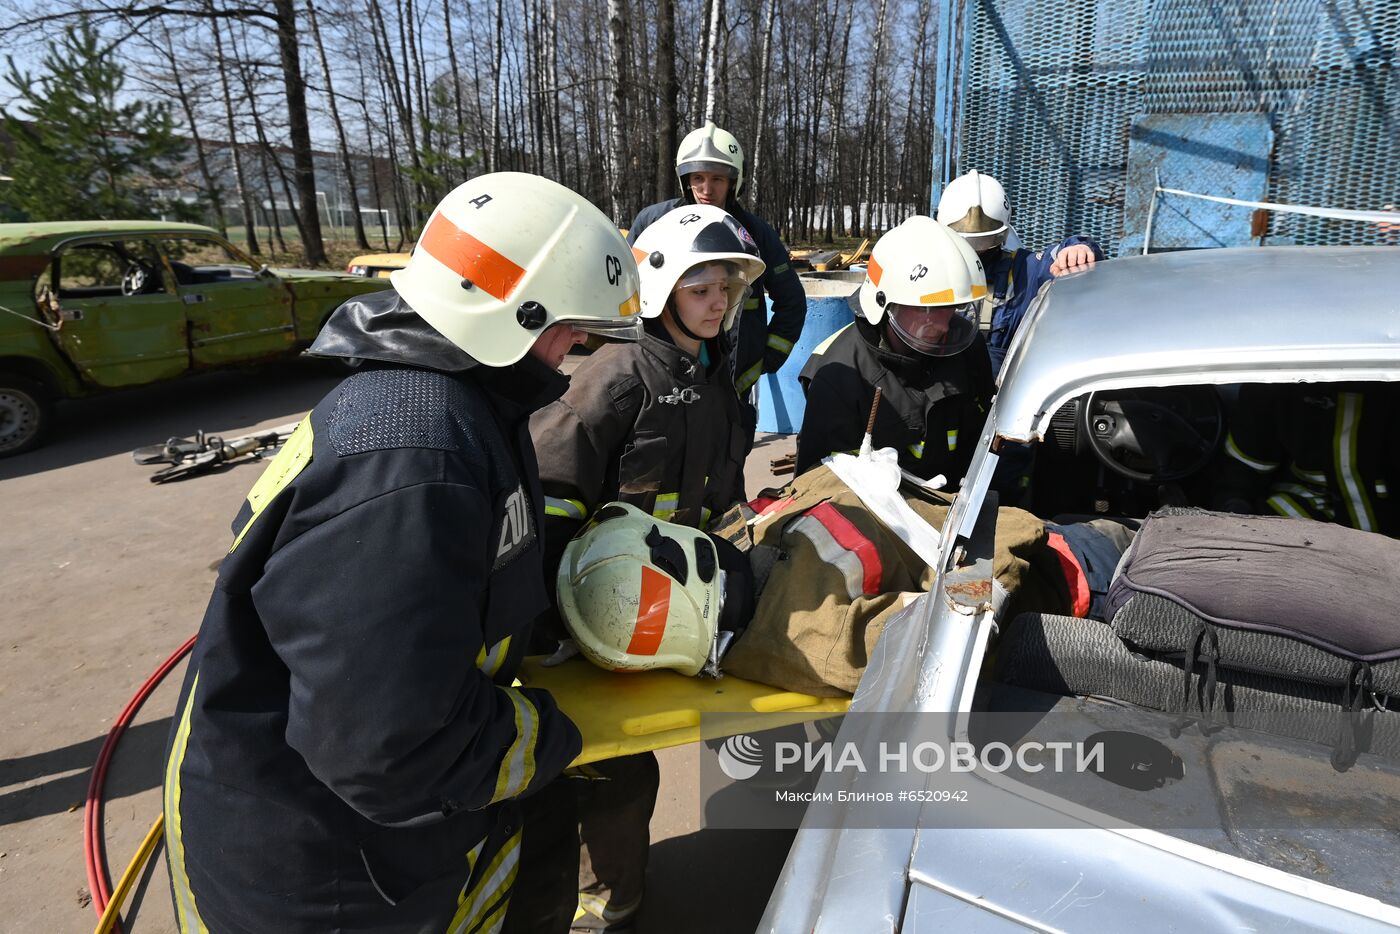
x,y
135,279
1154,435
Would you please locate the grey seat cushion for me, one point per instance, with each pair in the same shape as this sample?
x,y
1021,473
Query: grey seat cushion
x,y
1065,655
1287,597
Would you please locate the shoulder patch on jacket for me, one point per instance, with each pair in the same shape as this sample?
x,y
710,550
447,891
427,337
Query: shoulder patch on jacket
x,y
400,408
517,528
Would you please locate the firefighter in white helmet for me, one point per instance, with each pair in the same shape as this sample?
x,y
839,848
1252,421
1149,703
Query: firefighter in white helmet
x,y
710,169
976,206
915,338
348,750
656,424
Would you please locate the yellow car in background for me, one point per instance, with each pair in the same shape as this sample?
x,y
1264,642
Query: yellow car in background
x,y
376,265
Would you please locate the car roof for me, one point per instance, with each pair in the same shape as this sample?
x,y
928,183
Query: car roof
x,y
1249,314
31,239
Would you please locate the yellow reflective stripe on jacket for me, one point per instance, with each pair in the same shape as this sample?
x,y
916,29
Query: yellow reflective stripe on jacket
x,y
917,450
187,914
491,662
484,907
705,517
751,304
953,440
566,508
749,377
1349,480
666,505
825,345
781,268
518,766
1233,449
289,462
779,343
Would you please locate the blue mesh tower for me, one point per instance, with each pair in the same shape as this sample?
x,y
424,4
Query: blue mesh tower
x,y
1078,108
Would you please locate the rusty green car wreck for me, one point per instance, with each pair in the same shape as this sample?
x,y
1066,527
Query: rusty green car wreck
x,y
91,306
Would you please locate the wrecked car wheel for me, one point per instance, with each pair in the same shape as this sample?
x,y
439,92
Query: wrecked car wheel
x,y
26,411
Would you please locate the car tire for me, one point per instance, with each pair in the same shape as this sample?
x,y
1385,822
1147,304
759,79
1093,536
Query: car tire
x,y
26,414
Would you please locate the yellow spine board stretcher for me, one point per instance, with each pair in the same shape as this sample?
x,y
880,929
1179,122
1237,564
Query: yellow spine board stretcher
x,y
621,713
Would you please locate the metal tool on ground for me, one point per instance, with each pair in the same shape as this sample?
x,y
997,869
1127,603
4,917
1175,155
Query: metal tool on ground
x,y
188,457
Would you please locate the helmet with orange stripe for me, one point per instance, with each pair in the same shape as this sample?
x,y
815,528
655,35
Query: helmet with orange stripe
x,y
506,256
928,282
638,593
696,246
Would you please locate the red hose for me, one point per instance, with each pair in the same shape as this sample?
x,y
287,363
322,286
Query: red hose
x,y
94,849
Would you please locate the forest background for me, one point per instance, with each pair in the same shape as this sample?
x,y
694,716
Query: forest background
x,y
299,126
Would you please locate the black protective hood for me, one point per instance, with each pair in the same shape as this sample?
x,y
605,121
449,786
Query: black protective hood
x,y
382,326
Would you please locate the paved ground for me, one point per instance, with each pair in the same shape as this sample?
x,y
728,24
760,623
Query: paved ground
x,y
103,574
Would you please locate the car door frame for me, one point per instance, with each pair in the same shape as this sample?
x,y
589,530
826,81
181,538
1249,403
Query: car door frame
x,y
105,343
227,321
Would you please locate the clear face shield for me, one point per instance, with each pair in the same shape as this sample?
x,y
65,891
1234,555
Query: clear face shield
x,y
704,282
935,331
620,329
984,242
626,327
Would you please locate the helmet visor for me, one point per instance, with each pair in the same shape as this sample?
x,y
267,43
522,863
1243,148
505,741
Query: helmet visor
x,y
618,329
982,242
725,276
935,330
705,165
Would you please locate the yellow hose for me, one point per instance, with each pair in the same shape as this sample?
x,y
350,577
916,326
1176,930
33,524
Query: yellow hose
x,y
128,879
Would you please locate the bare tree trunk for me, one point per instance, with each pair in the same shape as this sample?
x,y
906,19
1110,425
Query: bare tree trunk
x,y
360,239
666,72
274,222
617,145
299,129
869,137
250,219
712,57
838,112
552,79
402,102
761,117
497,54
695,104
215,198
456,85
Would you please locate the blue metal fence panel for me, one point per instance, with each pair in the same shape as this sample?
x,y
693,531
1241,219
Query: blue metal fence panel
x,y
1195,152
1051,90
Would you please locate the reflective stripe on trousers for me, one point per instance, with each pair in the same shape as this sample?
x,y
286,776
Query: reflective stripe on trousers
x,y
187,914
482,910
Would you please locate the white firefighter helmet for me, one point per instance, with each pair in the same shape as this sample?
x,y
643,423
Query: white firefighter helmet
x,y
710,149
696,245
639,593
929,282
506,255
976,206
